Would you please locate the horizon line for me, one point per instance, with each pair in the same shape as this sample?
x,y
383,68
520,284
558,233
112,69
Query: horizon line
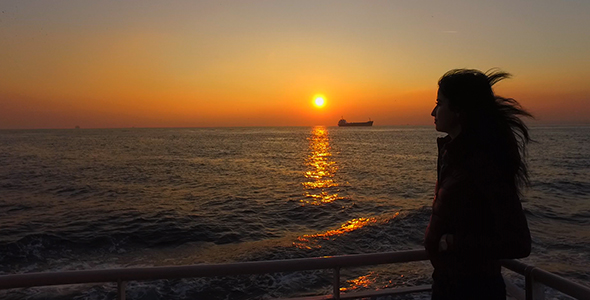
x,y
536,124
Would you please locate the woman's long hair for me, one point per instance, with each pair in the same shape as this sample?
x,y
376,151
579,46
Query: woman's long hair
x,y
493,121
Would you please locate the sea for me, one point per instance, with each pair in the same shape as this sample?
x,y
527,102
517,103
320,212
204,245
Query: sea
x,y
87,199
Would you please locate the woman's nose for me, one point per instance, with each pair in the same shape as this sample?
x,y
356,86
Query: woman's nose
x,y
433,113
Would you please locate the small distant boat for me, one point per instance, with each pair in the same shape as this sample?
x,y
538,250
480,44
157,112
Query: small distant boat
x,y
343,122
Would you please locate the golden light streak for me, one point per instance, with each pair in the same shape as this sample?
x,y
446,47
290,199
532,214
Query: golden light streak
x,y
307,241
369,281
321,170
364,281
310,241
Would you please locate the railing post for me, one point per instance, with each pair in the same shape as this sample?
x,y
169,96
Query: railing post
x,y
121,289
534,290
337,283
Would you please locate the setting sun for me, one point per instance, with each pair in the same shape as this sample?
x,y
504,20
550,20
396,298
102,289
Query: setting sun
x,y
319,101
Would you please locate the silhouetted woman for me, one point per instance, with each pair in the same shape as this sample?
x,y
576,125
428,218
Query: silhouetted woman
x,y
477,217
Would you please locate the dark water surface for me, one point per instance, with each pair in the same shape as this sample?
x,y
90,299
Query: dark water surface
x,y
107,198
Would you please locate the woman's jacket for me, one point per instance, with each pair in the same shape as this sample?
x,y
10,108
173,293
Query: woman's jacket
x,y
479,206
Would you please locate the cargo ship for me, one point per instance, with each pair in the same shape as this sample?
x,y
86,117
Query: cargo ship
x,y
343,122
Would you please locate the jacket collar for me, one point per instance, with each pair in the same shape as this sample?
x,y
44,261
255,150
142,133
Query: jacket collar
x,y
443,141
458,147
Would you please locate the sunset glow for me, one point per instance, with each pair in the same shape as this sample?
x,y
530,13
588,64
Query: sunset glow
x,y
204,64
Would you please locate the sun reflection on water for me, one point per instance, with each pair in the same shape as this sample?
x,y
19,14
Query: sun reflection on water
x,y
321,169
309,241
371,281
364,281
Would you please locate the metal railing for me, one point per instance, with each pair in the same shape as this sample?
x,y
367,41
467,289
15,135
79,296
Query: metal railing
x,y
535,277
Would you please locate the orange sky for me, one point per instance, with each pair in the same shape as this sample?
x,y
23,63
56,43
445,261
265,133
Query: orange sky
x,y
259,63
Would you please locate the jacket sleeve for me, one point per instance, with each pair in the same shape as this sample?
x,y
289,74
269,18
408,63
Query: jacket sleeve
x,y
489,222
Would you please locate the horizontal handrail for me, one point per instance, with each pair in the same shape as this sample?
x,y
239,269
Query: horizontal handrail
x,y
208,270
123,275
551,280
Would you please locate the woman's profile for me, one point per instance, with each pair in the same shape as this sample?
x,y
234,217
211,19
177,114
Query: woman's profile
x,y
477,217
